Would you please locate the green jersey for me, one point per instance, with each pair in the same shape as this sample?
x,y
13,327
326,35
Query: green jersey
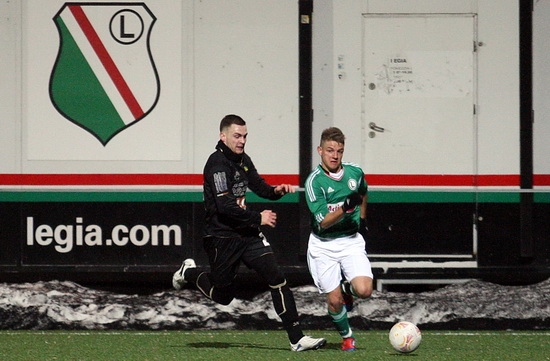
x,y
326,192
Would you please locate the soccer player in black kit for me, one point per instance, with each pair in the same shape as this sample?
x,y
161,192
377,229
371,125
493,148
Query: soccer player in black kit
x,y
232,232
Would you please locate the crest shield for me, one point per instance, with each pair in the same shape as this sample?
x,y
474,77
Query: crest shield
x,y
104,78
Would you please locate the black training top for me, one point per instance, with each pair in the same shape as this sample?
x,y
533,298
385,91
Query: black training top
x,y
227,176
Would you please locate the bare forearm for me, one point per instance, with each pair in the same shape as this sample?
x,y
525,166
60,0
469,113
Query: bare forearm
x,y
332,218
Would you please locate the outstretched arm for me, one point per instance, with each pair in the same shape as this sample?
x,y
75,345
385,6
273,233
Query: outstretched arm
x,y
283,189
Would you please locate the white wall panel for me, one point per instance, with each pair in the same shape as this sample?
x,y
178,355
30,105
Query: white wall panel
x,y
541,87
10,58
213,58
497,74
246,63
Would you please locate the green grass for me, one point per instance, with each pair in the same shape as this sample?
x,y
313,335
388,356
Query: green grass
x,y
265,345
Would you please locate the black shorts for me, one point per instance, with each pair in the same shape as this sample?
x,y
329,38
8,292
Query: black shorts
x,y
225,256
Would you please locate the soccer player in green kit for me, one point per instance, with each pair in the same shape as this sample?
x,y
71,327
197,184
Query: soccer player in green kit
x,y
336,194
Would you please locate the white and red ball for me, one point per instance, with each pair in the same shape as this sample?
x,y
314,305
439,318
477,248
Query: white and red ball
x,y
405,336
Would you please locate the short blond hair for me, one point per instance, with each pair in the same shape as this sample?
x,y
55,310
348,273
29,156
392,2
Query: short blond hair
x,y
332,134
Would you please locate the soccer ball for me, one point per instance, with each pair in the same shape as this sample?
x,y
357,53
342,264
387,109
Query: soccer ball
x,y
405,337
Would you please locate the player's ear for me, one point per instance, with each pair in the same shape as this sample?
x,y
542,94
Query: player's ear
x,y
319,149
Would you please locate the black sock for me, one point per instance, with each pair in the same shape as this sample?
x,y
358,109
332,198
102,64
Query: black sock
x,y
285,306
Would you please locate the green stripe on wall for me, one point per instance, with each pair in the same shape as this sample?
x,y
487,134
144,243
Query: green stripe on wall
x,y
24,196
443,197
196,196
420,197
542,197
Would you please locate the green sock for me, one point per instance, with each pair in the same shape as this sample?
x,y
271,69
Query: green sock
x,y
341,322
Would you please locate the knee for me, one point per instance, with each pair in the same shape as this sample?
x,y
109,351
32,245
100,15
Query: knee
x,y
365,293
267,268
222,295
363,287
225,301
276,280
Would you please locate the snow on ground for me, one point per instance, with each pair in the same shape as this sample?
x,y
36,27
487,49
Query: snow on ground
x,y
70,306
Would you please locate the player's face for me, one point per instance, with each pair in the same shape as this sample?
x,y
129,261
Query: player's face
x,y
331,153
235,138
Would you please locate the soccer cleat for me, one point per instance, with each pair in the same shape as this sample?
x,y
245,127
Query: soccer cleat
x,y
308,343
178,280
348,298
348,344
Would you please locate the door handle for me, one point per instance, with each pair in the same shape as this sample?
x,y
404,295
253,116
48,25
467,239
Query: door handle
x,y
376,128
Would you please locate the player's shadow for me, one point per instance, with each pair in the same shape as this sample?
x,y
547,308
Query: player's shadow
x,y
399,354
331,346
231,345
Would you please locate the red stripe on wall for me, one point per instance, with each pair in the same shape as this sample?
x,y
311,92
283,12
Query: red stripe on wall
x,y
457,180
100,179
107,61
506,180
121,179
541,179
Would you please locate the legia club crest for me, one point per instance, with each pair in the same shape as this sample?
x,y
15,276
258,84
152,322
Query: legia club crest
x,y
104,78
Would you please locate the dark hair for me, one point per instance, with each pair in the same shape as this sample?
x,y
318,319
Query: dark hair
x,y
229,120
334,134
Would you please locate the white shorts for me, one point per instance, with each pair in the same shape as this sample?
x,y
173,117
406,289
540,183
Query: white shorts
x,y
329,259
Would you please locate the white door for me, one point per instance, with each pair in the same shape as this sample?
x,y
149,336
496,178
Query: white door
x,y
419,95
419,92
